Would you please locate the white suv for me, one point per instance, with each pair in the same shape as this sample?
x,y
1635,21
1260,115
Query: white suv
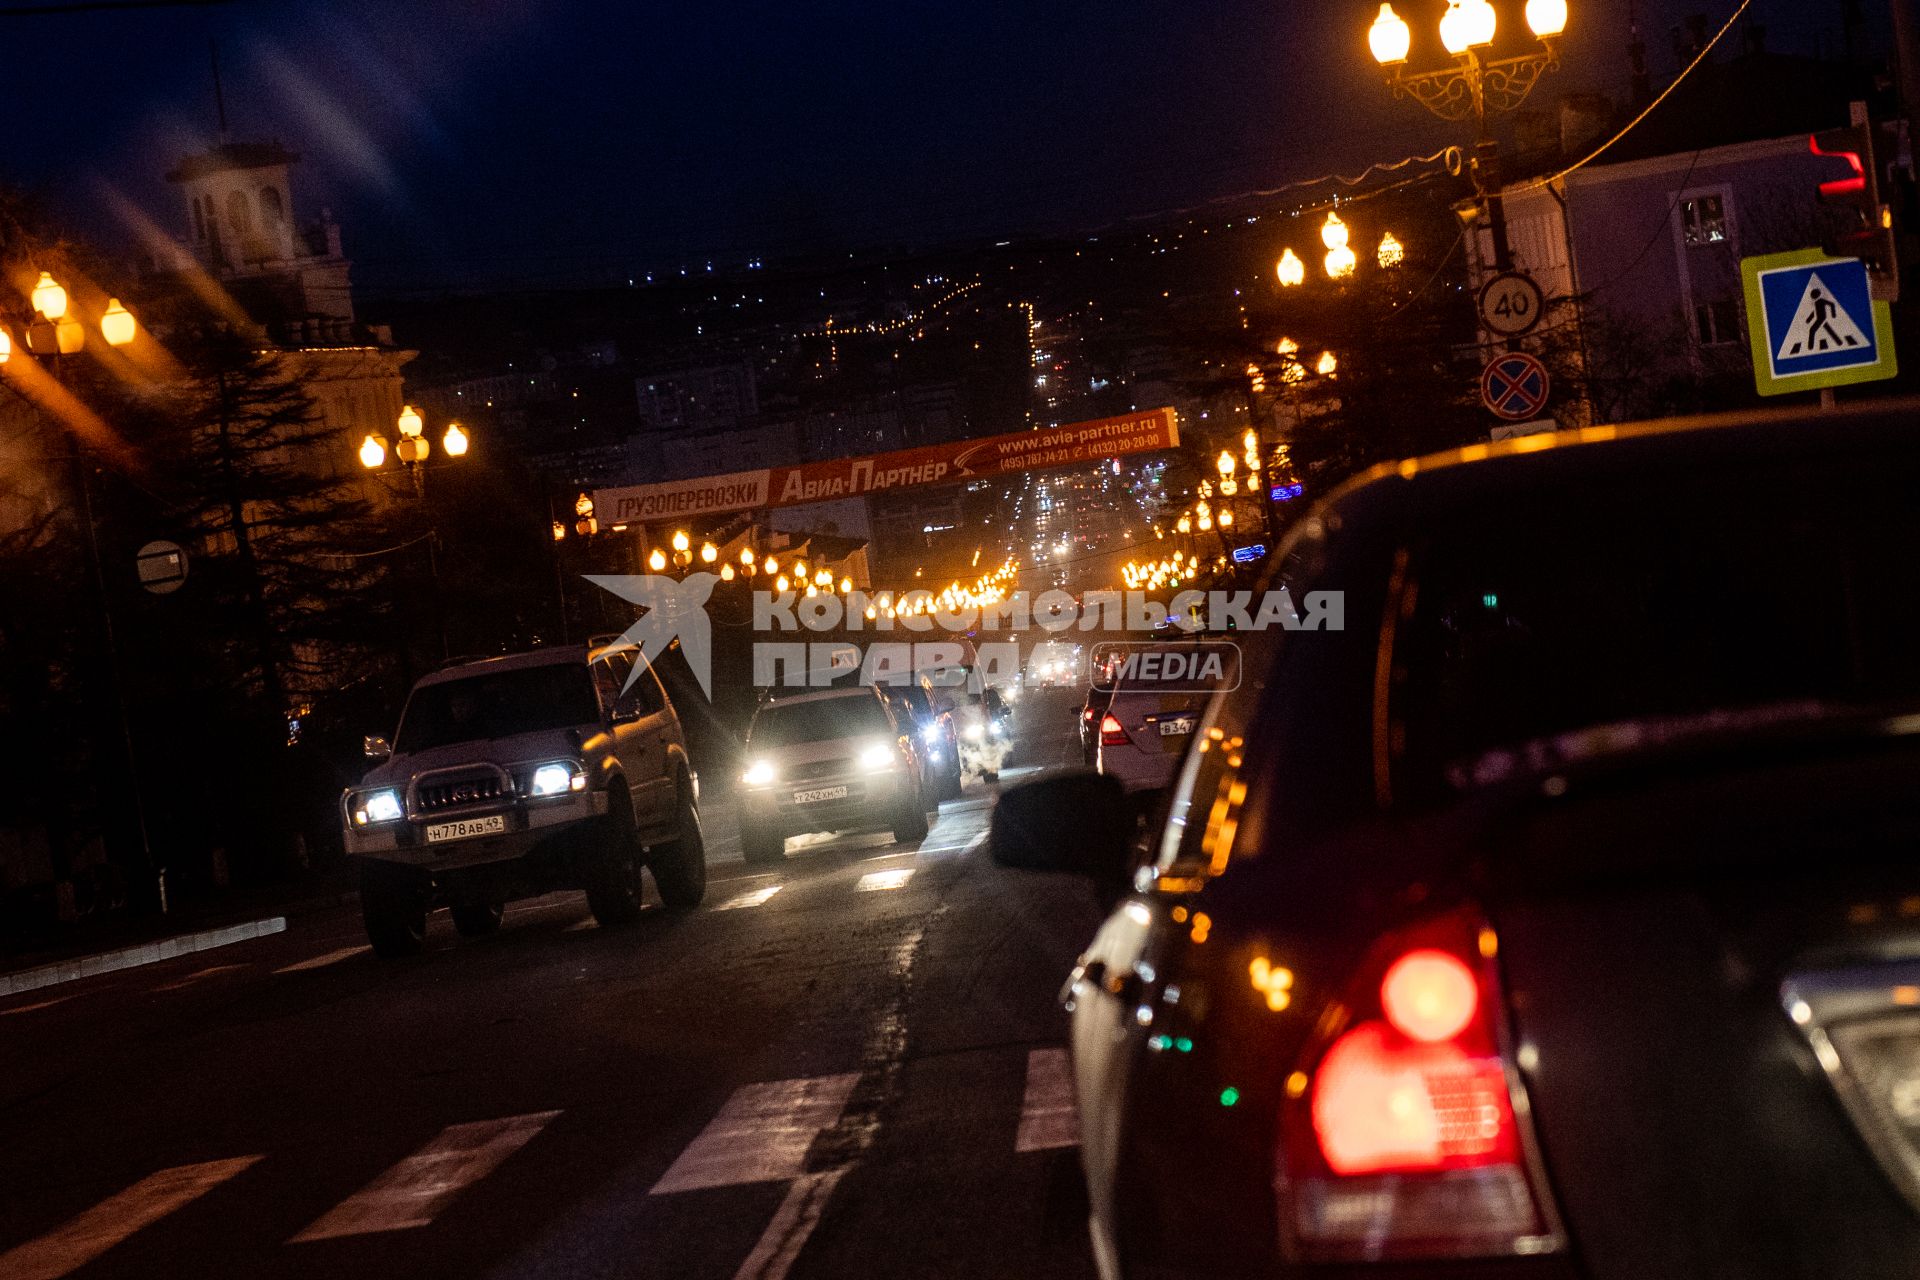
x,y
514,776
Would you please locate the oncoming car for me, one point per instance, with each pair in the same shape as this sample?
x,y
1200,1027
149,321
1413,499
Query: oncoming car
x,y
510,777
835,760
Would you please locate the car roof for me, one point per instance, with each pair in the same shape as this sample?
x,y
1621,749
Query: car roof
x,y
557,655
1490,472
822,695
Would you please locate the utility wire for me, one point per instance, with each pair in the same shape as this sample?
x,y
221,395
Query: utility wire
x,y
1635,123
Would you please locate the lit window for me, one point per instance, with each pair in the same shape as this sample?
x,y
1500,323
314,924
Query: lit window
x,y
1703,220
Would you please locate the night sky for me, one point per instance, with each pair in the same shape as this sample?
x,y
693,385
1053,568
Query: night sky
x,y
528,142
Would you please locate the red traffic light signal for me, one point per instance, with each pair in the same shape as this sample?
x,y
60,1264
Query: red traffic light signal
x,y
1871,239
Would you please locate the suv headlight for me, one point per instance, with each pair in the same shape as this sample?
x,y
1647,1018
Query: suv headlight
x,y
933,735
758,774
557,779
377,806
877,757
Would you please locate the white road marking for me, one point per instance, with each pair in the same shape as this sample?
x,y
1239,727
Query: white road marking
x,y
751,898
874,881
761,1135
787,1234
413,1192
105,1225
322,961
200,975
1047,1116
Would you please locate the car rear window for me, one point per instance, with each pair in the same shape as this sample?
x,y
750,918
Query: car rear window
x,y
784,724
1732,593
497,704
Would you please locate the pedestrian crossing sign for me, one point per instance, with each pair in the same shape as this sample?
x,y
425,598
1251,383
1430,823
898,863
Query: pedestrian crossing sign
x,y
1814,323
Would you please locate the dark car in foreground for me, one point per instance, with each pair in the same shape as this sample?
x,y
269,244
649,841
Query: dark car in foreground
x,y
1560,916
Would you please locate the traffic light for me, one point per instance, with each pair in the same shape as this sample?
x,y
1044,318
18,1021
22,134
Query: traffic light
x,y
1871,239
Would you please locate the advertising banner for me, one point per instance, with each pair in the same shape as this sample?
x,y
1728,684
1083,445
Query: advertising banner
x,y
952,463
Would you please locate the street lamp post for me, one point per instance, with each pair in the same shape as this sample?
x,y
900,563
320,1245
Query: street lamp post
x,y
54,332
412,450
1476,86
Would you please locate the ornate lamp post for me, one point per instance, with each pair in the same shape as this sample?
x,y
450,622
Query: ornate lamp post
x,y
1476,86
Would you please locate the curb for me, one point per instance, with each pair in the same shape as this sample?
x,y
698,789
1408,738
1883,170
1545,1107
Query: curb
x,y
50,975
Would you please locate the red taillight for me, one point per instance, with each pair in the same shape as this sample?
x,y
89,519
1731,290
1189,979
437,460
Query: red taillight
x,y
1401,1134
1430,996
1112,732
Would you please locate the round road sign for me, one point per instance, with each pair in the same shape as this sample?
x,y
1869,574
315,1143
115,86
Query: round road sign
x,y
1516,386
162,567
1511,304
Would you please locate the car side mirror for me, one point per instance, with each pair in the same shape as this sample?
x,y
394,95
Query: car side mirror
x,y
1078,822
377,748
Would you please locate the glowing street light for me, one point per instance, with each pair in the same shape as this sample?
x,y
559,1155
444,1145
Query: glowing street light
x,y
6,346
1340,259
681,541
1225,465
1389,37
708,553
411,423
1292,271
117,325
373,453
657,560
1468,24
1547,18
455,441
1328,365
1391,253
49,299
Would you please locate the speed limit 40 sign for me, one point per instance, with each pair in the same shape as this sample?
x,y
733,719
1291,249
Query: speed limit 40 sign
x,y
1510,305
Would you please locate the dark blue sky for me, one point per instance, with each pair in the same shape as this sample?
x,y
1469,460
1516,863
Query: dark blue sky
x,y
526,141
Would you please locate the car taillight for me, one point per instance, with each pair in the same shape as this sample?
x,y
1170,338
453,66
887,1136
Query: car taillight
x,y
1403,1132
1112,733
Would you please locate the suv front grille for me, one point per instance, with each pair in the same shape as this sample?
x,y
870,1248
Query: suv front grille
x,y
819,769
459,792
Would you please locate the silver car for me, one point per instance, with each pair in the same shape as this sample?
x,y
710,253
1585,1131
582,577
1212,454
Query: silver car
x,y
835,760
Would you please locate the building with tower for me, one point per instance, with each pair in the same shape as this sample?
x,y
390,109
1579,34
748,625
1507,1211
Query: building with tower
x,y
291,281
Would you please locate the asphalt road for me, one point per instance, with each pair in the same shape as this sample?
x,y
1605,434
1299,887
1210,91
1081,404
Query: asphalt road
x,y
850,1066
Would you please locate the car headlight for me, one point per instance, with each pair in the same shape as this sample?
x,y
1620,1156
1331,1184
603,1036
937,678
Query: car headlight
x,y
975,733
877,757
931,735
758,774
378,806
557,779
997,729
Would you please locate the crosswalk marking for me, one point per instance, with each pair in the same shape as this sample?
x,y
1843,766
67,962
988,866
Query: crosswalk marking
x,y
751,898
787,1234
1047,1116
413,1192
761,1135
322,961
105,1225
877,880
